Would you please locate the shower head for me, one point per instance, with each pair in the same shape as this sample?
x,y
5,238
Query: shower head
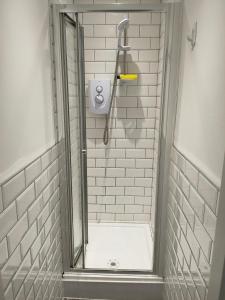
x,y
123,25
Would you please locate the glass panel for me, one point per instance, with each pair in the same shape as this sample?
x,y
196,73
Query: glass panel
x,y
75,139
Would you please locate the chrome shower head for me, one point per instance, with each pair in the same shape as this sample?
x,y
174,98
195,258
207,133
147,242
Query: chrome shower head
x,y
123,24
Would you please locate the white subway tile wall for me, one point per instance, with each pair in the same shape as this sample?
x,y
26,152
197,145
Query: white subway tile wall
x,y
30,237
191,229
124,168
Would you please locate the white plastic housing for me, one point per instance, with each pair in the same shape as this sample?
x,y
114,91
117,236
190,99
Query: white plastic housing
x,y
99,96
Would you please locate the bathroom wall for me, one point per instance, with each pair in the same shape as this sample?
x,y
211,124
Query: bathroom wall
x,y
192,215
200,119
30,236
120,174
26,121
197,155
31,159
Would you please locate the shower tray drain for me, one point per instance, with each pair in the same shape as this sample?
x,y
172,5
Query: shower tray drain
x,y
113,263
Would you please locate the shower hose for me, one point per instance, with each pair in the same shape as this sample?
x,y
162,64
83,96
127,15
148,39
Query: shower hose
x,y
107,117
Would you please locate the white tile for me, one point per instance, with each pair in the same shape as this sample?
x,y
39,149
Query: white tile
x,y
125,163
134,172
191,173
133,31
94,18
8,219
46,159
115,172
126,101
135,153
28,239
89,56
155,43
126,143
141,43
8,295
25,200
3,252
105,30
143,200
35,210
140,18
41,182
95,67
124,217
1,203
147,101
138,67
105,181
148,79
203,238
135,191
197,203
210,222
11,267
92,191
96,172
21,274
96,208
88,30
144,163
16,234
124,199
137,113
43,217
156,18
115,191
94,43
146,182
125,181
116,153
32,171
133,209
13,188
104,55
208,192
115,208
149,30
106,199
105,163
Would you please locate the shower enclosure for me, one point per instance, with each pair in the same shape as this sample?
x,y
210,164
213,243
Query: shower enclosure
x,y
114,214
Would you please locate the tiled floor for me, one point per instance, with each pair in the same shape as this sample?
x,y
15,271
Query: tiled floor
x,y
120,246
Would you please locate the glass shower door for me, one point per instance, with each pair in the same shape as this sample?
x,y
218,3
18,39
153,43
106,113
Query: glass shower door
x,y
75,139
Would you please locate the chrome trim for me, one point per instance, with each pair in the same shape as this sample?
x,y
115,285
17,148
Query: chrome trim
x,y
165,141
83,143
169,108
70,8
67,132
107,277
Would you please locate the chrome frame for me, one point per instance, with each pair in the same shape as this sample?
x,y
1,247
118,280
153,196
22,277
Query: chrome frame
x,y
66,118
217,274
169,101
83,146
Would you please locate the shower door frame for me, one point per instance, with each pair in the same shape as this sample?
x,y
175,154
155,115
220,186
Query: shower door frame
x,y
167,118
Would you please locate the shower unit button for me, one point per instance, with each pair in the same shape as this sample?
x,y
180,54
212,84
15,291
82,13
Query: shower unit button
x,y
99,96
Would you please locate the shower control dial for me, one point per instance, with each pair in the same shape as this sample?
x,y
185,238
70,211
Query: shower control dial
x,y
99,89
99,95
99,99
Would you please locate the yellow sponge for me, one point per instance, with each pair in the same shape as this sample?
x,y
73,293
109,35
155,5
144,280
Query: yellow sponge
x,y
127,76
